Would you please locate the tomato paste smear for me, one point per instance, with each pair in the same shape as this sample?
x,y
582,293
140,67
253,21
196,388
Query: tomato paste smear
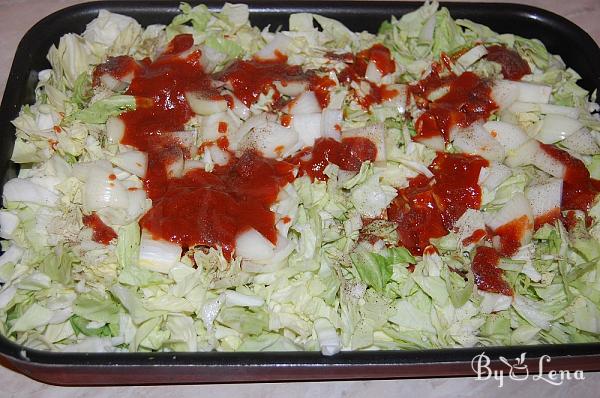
x,y
162,108
512,234
569,219
101,232
251,78
547,218
488,276
349,154
475,237
211,209
200,208
357,67
468,100
119,67
579,189
321,85
514,67
429,207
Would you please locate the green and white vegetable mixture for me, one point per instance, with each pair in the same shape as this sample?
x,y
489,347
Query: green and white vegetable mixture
x,y
327,290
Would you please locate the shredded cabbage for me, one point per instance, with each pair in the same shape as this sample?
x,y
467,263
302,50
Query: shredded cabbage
x,y
322,287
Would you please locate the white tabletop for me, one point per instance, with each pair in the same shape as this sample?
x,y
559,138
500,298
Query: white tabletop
x,y
16,16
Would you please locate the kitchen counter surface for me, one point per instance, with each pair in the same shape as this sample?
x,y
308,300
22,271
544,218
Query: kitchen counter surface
x,y
16,16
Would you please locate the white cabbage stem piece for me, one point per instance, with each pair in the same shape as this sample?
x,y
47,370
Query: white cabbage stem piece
x,y
233,298
506,92
545,198
278,45
472,56
23,190
531,153
331,120
201,105
291,88
555,128
252,245
476,140
216,125
133,161
8,224
491,177
12,255
436,142
239,108
372,73
212,155
306,102
523,107
582,142
158,255
329,341
308,127
509,135
271,139
115,129
115,84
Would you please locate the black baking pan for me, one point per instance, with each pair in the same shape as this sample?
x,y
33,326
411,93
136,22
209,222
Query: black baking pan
x,y
560,36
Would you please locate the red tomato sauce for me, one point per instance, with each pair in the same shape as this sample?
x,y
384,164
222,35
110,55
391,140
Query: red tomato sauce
x,y
429,207
211,209
101,232
223,127
377,95
511,235
249,79
579,189
159,88
117,67
468,100
320,85
569,220
514,67
200,208
357,67
547,218
286,120
348,155
253,77
475,237
488,276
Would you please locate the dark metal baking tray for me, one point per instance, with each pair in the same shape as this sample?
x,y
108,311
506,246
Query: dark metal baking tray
x,y
560,36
